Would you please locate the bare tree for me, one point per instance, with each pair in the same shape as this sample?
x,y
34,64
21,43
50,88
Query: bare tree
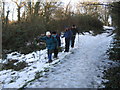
x,y
3,13
19,4
6,20
97,9
48,9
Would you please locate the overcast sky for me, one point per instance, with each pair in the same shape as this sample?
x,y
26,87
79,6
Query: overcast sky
x,y
13,11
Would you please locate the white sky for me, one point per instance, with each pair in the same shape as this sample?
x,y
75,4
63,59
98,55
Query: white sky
x,y
14,10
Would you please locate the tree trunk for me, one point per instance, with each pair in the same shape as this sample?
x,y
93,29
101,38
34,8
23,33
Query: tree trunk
x,y
3,13
37,8
30,8
7,17
18,10
3,9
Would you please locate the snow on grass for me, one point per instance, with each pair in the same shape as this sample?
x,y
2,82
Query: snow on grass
x,y
88,50
83,68
108,28
37,64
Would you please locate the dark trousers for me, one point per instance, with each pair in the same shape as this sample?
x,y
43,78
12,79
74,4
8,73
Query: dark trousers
x,y
67,44
56,52
50,54
72,41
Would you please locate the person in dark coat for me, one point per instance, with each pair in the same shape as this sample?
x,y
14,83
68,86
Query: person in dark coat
x,y
51,43
54,34
74,31
68,35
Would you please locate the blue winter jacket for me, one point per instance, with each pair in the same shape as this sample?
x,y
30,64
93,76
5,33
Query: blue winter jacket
x,y
68,34
51,42
58,39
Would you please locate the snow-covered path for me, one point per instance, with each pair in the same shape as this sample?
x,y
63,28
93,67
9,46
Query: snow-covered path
x,y
81,69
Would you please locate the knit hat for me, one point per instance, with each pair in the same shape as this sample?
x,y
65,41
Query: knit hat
x,y
54,32
48,33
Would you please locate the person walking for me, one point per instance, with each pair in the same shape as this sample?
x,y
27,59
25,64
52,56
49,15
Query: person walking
x,y
74,31
68,35
51,43
54,34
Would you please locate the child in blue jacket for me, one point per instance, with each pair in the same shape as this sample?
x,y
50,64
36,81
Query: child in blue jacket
x,y
51,43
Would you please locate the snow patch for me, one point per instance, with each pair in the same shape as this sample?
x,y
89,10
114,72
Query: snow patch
x,y
82,67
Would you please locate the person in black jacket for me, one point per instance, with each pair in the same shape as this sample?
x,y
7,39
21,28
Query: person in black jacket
x,y
54,34
74,31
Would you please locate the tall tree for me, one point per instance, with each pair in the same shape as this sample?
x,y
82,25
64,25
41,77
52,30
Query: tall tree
x,y
37,7
48,10
97,9
6,20
19,4
3,13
